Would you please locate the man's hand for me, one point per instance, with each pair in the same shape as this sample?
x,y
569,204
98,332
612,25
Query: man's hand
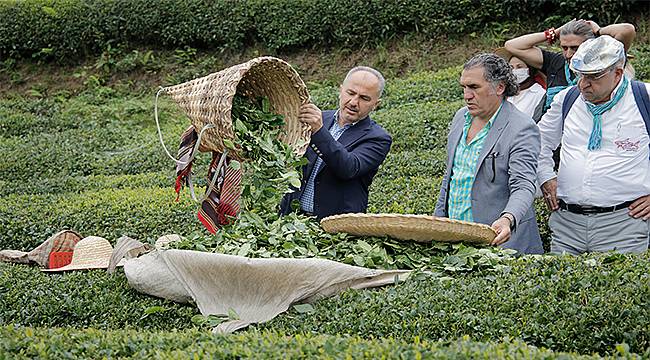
x,y
549,189
502,227
558,30
311,115
641,208
594,27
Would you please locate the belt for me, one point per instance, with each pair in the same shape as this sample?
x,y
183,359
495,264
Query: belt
x,y
586,209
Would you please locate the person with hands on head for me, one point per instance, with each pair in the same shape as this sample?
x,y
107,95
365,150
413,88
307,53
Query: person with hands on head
x,y
492,151
555,65
345,152
600,194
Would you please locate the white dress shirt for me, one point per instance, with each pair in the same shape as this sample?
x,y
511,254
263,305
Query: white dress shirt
x,y
527,100
617,172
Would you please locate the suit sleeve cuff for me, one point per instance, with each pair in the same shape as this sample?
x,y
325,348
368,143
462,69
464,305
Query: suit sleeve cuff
x,y
511,217
546,176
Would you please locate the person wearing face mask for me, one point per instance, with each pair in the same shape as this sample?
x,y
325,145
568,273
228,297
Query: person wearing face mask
x,y
555,66
345,151
531,90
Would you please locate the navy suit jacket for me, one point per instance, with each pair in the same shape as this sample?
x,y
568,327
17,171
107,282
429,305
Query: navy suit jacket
x,y
349,164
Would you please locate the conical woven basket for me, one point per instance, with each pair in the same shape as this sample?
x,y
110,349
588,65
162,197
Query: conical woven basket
x,y
421,228
208,100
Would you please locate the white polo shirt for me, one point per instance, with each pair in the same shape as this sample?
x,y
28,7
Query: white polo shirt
x,y
617,172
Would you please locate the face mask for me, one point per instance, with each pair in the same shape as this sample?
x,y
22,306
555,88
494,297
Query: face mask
x,y
521,74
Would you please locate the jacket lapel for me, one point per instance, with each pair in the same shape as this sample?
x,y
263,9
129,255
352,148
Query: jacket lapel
x,y
355,132
495,133
350,136
455,135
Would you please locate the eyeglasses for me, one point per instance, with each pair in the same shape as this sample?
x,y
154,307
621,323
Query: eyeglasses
x,y
593,77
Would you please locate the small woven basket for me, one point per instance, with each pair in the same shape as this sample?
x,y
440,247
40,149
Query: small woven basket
x,y
421,228
208,100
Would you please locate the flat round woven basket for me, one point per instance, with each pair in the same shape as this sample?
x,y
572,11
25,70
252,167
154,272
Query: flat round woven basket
x,y
208,100
421,228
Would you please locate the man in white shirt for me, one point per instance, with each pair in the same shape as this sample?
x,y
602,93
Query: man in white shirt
x,y
600,195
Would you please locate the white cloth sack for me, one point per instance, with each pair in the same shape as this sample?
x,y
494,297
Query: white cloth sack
x,y
256,289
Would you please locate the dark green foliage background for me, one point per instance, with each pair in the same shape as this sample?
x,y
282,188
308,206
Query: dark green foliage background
x,y
68,29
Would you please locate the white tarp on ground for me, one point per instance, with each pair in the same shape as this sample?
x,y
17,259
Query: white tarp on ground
x,y
256,289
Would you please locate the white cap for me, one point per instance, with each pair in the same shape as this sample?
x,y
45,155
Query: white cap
x,y
596,55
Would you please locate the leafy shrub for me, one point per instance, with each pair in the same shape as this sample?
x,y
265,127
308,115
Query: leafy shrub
x,y
82,299
142,213
641,62
67,29
88,135
585,304
562,303
79,184
404,195
26,342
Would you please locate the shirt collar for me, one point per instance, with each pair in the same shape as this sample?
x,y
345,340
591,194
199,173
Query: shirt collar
x,y
336,121
468,117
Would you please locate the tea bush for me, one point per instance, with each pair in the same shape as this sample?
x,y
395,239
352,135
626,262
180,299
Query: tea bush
x,y
142,213
582,304
69,29
30,297
27,343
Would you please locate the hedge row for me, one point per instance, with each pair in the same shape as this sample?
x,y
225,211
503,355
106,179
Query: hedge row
x,y
79,184
29,343
82,299
98,134
65,29
54,139
583,304
142,213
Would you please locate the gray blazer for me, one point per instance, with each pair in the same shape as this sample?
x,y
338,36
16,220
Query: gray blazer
x,y
505,175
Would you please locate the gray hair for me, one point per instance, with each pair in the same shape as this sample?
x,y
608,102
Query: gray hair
x,y
496,70
579,28
378,75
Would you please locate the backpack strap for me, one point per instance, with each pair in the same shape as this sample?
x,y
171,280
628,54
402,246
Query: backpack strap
x,y
642,102
569,99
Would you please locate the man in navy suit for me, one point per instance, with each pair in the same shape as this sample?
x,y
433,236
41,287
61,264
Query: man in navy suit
x,y
345,151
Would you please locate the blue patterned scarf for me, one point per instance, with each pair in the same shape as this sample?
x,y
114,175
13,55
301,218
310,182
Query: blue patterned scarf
x,y
552,91
596,137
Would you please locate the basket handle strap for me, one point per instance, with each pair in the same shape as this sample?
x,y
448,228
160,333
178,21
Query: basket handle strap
x,y
210,187
198,141
192,155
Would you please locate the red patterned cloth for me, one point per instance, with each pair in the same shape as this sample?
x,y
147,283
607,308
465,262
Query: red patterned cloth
x,y
221,203
60,243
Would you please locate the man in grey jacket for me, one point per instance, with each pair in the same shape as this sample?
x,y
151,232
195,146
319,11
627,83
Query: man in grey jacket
x,y
492,152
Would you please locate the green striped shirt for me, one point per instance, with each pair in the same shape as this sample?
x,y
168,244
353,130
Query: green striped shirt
x,y
462,178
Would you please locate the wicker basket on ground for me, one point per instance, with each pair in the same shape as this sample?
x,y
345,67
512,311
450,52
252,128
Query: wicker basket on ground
x,y
208,100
